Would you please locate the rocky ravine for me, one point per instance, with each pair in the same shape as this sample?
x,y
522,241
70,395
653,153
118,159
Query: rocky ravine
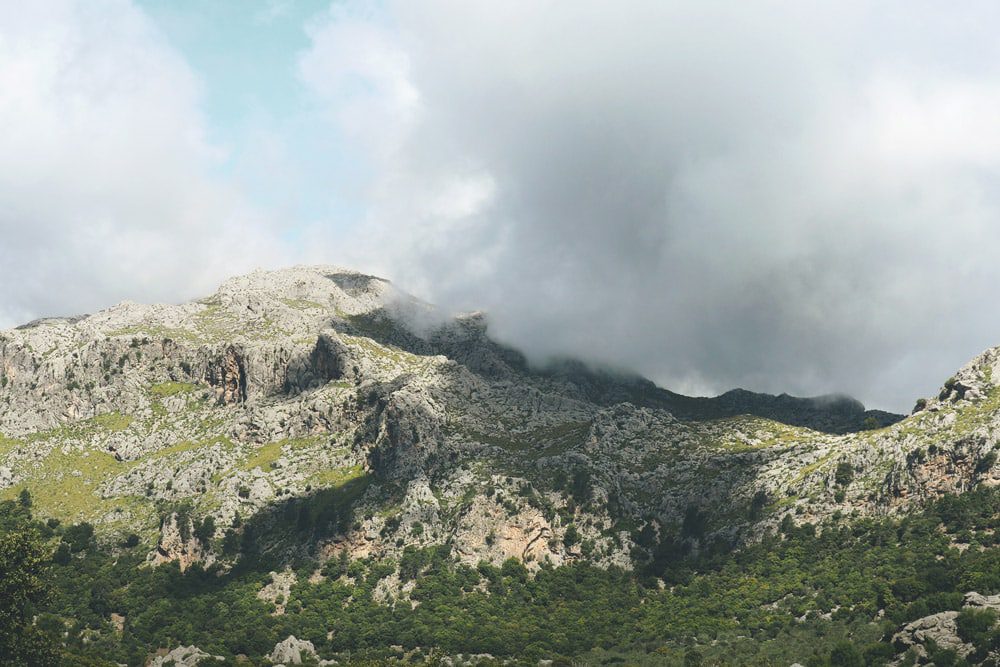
x,y
319,409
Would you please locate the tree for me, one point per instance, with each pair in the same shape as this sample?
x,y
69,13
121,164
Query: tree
x,y
24,498
844,474
205,530
693,658
23,561
78,536
846,654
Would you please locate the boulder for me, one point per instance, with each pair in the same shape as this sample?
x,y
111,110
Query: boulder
x,y
939,628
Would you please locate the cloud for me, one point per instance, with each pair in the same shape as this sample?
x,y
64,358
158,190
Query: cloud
x,y
108,184
782,196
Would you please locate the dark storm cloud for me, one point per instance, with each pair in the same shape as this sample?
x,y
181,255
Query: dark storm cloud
x,y
780,196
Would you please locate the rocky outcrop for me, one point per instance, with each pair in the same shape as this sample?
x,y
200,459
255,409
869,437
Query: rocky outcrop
x,y
185,656
278,590
467,660
228,377
292,651
941,629
177,543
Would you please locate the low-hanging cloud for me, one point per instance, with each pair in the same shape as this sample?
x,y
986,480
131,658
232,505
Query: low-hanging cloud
x,y
782,196
107,188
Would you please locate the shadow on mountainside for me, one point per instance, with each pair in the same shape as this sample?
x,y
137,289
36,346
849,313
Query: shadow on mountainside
x,y
465,340
289,530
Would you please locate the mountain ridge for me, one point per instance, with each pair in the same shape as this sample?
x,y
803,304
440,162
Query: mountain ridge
x,y
320,415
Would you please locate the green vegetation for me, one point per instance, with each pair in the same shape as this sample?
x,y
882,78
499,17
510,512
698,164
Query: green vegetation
x,y
819,595
23,569
336,476
164,389
66,486
112,421
191,445
844,474
157,332
388,353
267,454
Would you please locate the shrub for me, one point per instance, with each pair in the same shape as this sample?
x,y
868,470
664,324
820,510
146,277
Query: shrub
x,y
974,625
844,474
846,654
693,658
78,536
986,463
204,530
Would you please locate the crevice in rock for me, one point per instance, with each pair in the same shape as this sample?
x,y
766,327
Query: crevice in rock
x,y
228,376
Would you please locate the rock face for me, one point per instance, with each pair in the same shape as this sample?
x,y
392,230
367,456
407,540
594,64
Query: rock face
x,y
318,409
228,377
941,628
291,651
177,543
184,656
278,590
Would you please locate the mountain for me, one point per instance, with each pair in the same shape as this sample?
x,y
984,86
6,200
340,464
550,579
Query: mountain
x,y
318,415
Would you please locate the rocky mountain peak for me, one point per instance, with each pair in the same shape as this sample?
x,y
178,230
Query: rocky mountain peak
x,y
330,399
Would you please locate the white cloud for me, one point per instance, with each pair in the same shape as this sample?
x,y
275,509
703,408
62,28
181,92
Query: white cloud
x,y
106,176
360,68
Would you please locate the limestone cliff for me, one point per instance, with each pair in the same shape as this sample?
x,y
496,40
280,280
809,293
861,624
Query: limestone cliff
x,y
318,409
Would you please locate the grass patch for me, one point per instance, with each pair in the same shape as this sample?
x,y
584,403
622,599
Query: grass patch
x,y
83,430
742,433
380,351
808,470
972,416
215,323
7,444
156,332
112,421
267,454
188,445
165,389
337,476
66,485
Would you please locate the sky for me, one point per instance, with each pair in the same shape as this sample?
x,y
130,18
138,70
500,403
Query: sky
x,y
779,196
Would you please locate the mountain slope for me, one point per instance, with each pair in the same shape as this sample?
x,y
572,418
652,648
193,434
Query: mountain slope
x,y
318,410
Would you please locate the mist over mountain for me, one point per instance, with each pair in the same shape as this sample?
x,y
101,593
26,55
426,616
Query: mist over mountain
x,y
783,198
